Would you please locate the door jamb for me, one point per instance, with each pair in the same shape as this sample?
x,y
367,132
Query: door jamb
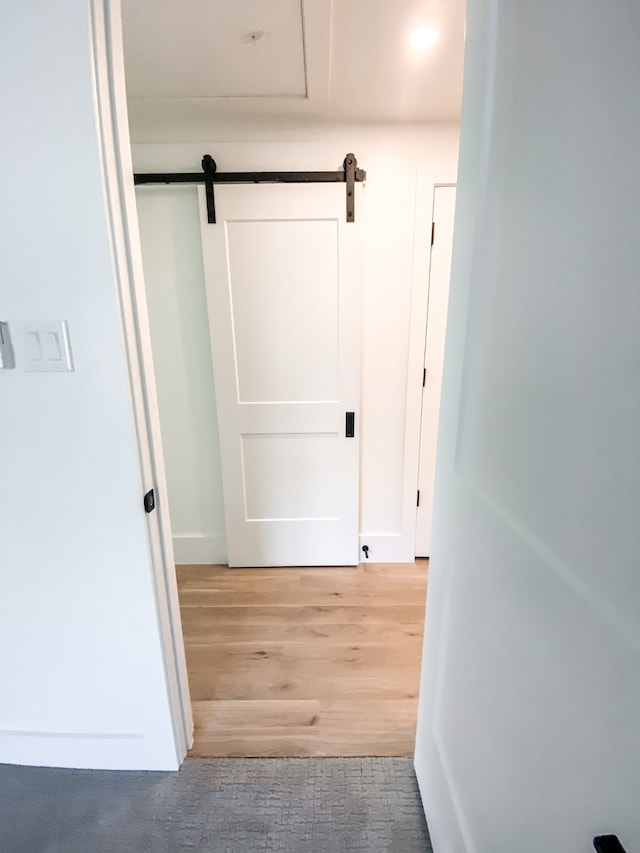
x,y
417,346
117,176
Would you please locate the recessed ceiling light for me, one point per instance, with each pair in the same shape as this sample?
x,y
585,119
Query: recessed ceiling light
x,y
422,38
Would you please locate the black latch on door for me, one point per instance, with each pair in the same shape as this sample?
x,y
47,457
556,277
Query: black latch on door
x,y
149,501
350,425
608,844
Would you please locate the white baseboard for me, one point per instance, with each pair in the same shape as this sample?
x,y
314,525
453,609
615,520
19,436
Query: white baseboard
x,y
92,751
200,550
203,550
387,548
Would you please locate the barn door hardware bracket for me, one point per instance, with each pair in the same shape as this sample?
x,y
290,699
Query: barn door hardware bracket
x,y
209,168
350,174
350,166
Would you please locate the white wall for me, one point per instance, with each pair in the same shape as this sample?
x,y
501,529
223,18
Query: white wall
x,y
172,254
81,668
403,164
528,735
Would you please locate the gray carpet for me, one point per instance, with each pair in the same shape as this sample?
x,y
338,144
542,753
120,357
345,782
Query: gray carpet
x,y
233,805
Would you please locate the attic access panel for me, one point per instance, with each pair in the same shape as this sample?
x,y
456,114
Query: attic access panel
x,y
215,49
349,175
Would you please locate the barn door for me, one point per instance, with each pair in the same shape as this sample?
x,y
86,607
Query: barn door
x,y
282,272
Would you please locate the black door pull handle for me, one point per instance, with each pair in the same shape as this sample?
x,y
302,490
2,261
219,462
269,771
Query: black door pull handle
x,y
608,844
350,425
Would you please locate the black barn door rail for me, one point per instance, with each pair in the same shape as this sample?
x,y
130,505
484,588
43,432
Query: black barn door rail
x,y
349,175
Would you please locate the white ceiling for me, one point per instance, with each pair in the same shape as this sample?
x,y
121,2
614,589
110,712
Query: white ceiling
x,y
199,64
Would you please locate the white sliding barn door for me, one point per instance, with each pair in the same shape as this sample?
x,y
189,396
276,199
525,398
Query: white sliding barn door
x,y
529,723
444,205
282,272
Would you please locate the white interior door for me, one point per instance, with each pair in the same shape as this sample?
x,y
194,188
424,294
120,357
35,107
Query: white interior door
x,y
528,733
282,271
444,203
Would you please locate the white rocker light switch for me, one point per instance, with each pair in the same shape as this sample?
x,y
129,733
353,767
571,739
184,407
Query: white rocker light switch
x,y
44,346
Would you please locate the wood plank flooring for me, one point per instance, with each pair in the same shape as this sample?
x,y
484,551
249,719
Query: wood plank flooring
x,y
303,661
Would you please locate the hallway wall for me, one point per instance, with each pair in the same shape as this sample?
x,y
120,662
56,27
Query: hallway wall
x,y
81,668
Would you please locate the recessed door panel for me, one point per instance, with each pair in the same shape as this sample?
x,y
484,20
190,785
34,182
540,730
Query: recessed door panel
x,y
291,476
284,297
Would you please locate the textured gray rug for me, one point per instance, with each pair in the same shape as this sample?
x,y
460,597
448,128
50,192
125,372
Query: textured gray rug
x,y
232,805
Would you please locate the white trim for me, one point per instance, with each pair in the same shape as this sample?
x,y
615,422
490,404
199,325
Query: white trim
x,y
200,550
316,23
438,806
386,548
117,174
400,547
83,735
102,751
421,263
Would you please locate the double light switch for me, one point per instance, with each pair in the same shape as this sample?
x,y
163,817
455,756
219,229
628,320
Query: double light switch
x,y
41,345
45,346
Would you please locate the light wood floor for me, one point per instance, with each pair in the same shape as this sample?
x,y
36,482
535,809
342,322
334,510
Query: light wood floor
x,y
294,662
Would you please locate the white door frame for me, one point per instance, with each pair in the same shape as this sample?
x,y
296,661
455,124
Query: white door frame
x,y
417,338
117,175
425,500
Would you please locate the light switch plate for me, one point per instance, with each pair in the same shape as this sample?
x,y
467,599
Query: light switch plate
x,y
45,346
7,360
